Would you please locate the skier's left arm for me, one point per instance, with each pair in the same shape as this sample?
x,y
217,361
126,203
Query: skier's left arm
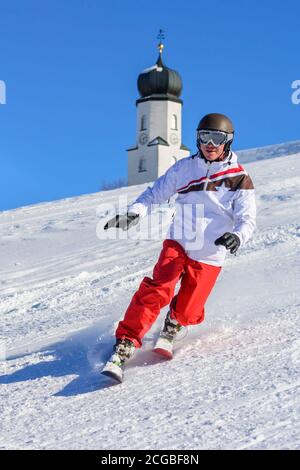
x,y
244,211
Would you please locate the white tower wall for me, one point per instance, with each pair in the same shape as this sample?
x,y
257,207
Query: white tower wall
x,y
156,119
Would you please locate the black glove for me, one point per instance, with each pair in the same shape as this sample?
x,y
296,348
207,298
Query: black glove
x,y
230,240
122,221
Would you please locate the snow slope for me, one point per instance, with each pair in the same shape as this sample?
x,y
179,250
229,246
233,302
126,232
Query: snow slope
x,y
270,151
234,381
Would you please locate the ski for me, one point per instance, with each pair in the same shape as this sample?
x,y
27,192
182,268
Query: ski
x,y
164,348
113,371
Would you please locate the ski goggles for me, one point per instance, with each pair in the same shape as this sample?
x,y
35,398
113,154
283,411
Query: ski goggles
x,y
217,138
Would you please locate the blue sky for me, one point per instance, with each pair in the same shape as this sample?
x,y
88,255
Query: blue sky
x,y
70,68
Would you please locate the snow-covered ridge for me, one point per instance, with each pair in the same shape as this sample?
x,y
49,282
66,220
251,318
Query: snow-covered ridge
x,y
269,151
245,156
234,380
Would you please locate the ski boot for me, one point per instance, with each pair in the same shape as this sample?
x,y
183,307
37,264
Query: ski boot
x,y
164,344
123,351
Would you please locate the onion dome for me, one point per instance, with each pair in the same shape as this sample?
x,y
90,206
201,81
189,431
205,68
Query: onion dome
x,y
159,82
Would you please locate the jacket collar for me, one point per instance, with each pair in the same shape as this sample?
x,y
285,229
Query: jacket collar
x,y
229,160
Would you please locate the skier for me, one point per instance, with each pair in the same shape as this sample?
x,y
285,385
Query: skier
x,y
214,179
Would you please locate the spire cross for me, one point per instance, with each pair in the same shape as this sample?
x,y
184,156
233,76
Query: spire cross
x,y
161,36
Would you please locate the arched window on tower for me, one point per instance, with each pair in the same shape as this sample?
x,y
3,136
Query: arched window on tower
x,y
174,123
143,123
142,165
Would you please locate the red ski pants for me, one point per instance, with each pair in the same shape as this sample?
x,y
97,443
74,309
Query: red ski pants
x,y
187,307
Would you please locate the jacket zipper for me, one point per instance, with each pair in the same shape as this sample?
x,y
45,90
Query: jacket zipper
x,y
206,182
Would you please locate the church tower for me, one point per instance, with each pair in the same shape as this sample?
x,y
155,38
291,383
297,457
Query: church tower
x,y
158,134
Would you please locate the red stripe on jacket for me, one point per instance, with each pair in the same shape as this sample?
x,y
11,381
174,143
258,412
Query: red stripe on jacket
x,y
221,173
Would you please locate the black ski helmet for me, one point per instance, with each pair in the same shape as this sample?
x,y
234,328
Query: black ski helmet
x,y
217,122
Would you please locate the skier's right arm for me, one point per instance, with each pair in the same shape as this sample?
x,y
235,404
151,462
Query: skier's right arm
x,y
163,188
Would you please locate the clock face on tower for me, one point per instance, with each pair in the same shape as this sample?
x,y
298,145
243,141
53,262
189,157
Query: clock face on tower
x,y
174,139
143,138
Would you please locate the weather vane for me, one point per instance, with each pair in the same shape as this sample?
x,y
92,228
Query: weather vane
x,y
161,36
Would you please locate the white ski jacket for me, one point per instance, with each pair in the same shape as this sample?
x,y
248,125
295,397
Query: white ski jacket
x,y
212,198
